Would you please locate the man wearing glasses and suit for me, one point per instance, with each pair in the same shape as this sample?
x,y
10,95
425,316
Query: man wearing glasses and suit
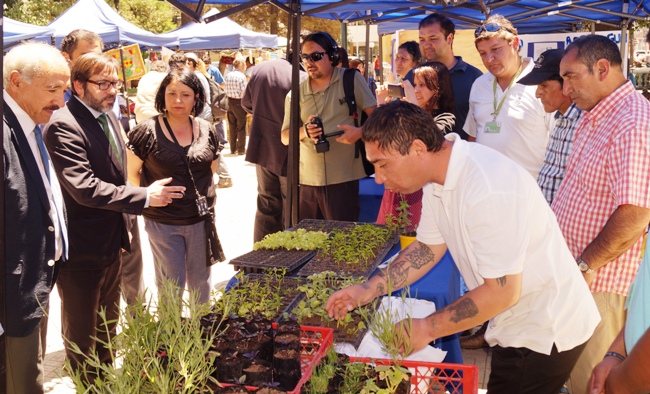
x,y
89,157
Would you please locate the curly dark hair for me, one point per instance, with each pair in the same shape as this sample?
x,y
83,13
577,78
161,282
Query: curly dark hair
x,y
188,78
437,78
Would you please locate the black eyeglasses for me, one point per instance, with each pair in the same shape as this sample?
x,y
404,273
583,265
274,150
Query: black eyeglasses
x,y
314,56
490,28
105,85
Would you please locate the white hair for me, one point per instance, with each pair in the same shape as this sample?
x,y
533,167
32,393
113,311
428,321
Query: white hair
x,y
33,59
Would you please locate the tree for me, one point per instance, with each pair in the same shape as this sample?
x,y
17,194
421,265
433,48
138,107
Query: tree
x,y
39,12
153,16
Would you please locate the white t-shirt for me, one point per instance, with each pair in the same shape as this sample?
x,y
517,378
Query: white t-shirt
x,y
495,221
525,126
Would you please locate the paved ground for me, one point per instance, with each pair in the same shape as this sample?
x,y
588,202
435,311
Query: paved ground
x,y
234,216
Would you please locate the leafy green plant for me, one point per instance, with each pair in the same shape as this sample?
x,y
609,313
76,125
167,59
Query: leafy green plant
x,y
400,223
318,290
300,239
159,350
357,245
260,297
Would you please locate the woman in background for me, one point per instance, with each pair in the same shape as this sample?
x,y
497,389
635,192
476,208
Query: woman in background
x,y
408,56
177,144
432,91
361,66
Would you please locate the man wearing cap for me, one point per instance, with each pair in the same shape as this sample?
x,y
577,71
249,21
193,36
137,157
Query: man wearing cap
x,y
546,75
503,114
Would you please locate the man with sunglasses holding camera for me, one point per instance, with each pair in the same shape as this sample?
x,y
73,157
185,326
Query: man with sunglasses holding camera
x,y
330,168
503,114
89,156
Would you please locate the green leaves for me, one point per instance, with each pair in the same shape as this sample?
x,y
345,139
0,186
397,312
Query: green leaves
x,y
300,239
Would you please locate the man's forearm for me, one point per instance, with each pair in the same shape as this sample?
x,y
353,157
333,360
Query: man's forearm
x,y
631,375
622,230
411,264
479,305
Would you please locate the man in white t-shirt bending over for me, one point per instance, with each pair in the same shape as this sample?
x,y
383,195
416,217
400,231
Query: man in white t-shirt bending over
x,y
504,239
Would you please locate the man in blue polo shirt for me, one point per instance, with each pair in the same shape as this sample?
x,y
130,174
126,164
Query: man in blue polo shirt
x,y
436,40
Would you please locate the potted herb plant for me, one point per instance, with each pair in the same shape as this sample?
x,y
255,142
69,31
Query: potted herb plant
x,y
401,223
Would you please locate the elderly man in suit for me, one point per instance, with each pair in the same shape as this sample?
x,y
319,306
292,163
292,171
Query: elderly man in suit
x,y
35,78
89,156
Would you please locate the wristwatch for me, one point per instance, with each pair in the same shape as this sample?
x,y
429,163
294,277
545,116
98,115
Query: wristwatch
x,y
584,267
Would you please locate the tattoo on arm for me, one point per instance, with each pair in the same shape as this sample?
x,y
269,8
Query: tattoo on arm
x,y
501,281
464,309
419,257
380,289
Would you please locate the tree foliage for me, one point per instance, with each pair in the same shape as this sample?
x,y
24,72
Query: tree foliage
x,y
267,18
154,16
36,12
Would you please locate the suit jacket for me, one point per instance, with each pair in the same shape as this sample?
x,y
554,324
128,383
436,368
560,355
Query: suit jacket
x,y
264,99
29,234
94,183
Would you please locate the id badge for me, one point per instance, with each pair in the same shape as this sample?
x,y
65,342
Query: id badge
x,y
493,127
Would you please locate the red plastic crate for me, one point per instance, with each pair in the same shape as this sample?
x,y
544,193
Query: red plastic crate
x,y
436,378
314,341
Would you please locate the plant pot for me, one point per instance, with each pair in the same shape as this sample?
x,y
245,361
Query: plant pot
x,y
286,368
286,341
257,372
270,390
288,326
228,367
404,386
406,240
234,390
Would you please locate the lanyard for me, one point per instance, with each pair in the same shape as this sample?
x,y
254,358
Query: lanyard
x,y
497,109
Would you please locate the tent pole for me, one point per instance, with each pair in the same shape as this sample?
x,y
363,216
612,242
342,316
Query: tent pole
x,y
3,279
291,213
367,55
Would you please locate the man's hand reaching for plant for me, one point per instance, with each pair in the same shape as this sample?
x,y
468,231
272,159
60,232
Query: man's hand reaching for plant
x,y
345,300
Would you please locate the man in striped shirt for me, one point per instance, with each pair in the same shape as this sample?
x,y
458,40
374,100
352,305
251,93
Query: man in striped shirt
x,y
546,75
603,204
235,86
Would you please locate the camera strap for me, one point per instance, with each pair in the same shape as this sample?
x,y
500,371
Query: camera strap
x,y
182,151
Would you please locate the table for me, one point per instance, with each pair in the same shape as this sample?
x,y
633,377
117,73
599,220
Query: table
x,y
370,195
441,285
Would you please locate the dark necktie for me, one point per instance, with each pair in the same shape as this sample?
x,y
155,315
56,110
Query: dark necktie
x,y
104,121
41,147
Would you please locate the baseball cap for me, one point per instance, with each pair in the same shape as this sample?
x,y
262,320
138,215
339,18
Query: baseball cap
x,y
546,67
192,55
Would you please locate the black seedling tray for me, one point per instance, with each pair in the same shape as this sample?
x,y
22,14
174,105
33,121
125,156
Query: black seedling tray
x,y
257,261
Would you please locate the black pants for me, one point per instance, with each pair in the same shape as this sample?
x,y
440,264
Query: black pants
x,y
83,293
521,370
331,202
236,126
271,193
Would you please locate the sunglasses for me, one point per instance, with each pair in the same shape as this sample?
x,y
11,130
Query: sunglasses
x,y
105,85
314,56
490,28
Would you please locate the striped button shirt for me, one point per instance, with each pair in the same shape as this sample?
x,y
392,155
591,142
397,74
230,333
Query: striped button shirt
x,y
609,165
557,152
235,84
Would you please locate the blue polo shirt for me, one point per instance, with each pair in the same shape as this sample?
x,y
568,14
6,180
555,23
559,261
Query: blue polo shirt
x,y
463,76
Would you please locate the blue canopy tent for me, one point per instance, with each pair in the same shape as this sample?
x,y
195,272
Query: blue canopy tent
x,y
529,16
222,34
14,32
99,17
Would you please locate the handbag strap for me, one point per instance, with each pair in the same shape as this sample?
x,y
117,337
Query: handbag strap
x,y
182,152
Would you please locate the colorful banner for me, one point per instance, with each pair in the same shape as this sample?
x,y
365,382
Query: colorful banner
x,y
133,63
